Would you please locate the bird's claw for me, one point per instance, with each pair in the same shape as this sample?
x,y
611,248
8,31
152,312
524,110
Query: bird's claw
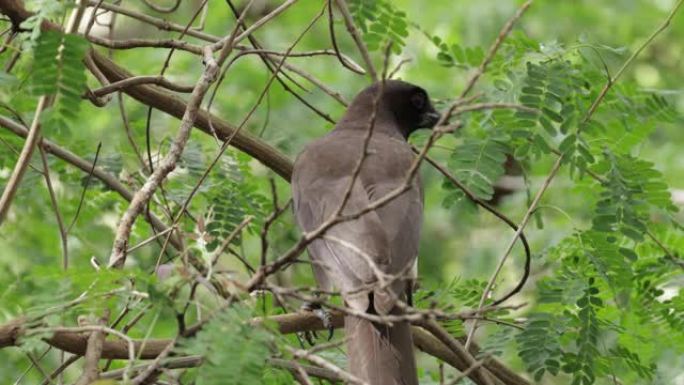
x,y
323,315
326,318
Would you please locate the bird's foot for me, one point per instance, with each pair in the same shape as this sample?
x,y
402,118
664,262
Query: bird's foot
x,y
323,315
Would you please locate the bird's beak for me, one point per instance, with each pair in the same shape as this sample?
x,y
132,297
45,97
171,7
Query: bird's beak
x,y
429,119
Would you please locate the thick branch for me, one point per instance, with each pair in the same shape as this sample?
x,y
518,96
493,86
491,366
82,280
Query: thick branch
x,y
164,101
76,343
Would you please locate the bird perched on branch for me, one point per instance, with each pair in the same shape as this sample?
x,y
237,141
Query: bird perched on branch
x,y
369,253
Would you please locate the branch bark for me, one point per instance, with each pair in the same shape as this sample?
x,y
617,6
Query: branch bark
x,y
168,164
94,347
76,343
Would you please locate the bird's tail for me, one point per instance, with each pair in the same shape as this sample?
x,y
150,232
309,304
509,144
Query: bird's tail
x,y
380,354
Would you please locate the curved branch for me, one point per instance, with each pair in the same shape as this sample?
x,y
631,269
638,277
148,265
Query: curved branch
x,y
137,80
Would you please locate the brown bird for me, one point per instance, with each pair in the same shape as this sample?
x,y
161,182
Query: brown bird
x,y
355,256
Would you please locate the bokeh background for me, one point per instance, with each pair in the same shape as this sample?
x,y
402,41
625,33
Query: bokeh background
x,y
459,242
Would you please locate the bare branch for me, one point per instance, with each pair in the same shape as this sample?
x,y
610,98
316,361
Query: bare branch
x,y
140,199
345,61
354,32
142,43
138,80
159,23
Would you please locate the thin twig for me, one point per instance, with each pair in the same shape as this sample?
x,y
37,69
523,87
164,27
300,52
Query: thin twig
x,y
63,232
85,188
219,250
346,62
37,365
129,133
318,83
491,209
171,8
314,359
354,32
475,366
138,80
491,53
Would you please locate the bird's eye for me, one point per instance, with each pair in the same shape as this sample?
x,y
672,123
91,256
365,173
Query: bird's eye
x,y
418,100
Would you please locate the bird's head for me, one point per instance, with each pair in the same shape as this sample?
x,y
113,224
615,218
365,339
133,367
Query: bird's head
x,y
406,104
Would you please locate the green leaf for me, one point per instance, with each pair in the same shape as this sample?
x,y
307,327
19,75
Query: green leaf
x,y
478,165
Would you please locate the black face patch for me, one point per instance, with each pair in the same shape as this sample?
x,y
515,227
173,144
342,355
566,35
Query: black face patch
x,y
407,105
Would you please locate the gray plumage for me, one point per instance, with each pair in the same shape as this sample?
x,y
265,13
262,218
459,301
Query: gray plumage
x,y
387,238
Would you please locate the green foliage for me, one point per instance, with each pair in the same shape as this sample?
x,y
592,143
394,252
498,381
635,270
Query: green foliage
x,y
454,55
237,197
234,352
380,22
605,304
539,343
611,260
581,363
58,71
633,362
631,187
45,10
67,294
478,164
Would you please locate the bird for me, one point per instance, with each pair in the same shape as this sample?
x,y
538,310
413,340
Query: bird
x,y
371,259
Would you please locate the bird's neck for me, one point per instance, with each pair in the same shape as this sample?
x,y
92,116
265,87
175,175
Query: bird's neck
x,y
362,119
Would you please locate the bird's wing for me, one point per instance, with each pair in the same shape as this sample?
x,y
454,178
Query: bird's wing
x,y
402,220
350,255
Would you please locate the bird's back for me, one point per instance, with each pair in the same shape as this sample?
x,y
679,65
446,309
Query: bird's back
x,y
388,235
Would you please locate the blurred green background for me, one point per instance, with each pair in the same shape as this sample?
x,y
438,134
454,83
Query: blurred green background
x,y
459,242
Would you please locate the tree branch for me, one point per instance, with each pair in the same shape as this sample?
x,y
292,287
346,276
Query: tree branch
x,y
164,101
76,343
354,32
